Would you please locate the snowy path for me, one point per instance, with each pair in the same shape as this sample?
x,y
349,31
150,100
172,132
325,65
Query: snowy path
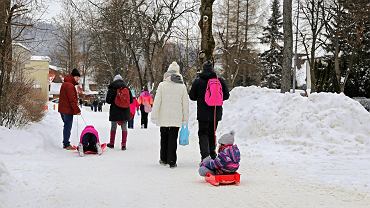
x,y
56,178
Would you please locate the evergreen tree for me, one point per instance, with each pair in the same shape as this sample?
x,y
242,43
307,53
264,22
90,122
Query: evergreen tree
x,y
357,49
272,59
349,41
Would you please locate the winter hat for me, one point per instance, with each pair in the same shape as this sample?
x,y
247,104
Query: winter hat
x,y
227,138
174,68
75,73
173,73
208,66
117,77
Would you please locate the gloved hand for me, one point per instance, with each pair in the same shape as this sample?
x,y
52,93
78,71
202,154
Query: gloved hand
x,y
205,161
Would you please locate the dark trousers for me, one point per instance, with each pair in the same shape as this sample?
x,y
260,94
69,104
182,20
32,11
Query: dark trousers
x,y
68,121
144,117
131,123
169,144
207,140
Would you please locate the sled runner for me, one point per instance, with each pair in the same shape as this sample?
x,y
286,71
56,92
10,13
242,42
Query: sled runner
x,y
88,152
223,179
103,146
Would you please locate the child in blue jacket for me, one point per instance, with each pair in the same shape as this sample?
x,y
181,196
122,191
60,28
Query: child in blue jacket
x,y
227,160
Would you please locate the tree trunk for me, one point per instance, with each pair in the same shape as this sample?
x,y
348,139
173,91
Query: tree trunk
x,y
288,46
245,44
312,65
6,14
205,25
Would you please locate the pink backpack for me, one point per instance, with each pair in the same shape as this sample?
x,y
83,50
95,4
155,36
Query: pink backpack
x,y
214,95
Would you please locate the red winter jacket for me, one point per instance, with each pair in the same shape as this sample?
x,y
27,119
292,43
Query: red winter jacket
x,y
68,102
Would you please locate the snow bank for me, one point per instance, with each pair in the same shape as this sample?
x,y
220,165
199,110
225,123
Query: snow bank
x,y
326,122
34,138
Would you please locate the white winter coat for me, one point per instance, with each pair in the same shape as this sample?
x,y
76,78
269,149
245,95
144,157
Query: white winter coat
x,y
171,105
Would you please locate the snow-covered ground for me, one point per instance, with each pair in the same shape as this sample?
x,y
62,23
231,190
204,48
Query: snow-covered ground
x,y
296,152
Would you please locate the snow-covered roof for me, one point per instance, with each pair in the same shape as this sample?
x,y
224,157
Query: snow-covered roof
x,y
21,45
55,88
56,68
40,58
89,92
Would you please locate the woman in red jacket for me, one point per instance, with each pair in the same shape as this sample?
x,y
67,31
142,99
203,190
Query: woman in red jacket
x,y
68,105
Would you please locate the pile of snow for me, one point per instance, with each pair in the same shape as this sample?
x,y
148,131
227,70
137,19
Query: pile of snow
x,y
324,137
35,138
332,123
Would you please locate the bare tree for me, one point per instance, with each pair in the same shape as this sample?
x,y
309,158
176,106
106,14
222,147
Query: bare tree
x,y
67,52
237,26
314,14
15,18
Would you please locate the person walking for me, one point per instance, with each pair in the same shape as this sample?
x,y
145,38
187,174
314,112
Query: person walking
x,y
118,115
100,106
207,116
146,101
170,112
68,105
95,104
134,106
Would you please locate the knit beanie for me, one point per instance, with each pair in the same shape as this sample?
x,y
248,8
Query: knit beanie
x,y
174,68
227,138
75,73
208,66
117,77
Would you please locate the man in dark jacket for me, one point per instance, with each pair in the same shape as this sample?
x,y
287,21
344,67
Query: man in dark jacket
x,y
68,105
117,115
205,114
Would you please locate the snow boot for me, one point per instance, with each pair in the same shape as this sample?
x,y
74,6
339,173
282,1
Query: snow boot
x,y
162,162
112,138
124,140
81,150
98,148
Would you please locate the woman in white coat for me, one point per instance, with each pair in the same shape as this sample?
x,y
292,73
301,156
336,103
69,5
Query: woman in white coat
x,y
170,111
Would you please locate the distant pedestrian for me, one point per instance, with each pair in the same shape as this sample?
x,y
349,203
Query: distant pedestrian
x,y
95,105
146,102
134,107
100,106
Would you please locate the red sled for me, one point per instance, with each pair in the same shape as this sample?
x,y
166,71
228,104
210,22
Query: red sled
x,y
217,180
103,147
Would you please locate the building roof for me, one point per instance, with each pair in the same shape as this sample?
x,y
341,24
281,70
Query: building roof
x,y
55,68
40,58
21,45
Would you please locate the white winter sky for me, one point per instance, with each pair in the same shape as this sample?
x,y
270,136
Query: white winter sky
x,y
53,8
